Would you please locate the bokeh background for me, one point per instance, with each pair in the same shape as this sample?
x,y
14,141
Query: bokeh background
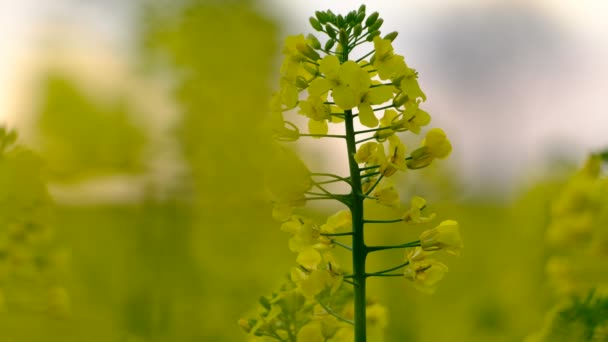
x,y
150,119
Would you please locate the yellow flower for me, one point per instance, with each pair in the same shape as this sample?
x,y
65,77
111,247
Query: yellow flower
x,y
370,153
310,333
310,283
354,82
413,119
435,146
437,143
424,273
388,120
445,236
388,65
396,158
345,334
414,214
309,258
376,315
373,96
340,220
409,86
387,195
318,112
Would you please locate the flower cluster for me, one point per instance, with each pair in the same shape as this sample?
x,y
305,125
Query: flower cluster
x,y
378,94
28,254
578,267
579,233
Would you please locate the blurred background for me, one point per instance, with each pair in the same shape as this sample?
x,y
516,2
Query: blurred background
x,y
145,114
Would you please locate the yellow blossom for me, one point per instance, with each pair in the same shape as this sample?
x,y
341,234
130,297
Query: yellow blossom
x,y
409,86
354,82
373,96
413,118
414,214
310,333
435,146
396,157
387,122
446,236
424,273
386,194
309,258
340,220
388,64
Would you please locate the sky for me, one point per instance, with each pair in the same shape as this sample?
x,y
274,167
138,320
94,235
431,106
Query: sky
x,y
511,82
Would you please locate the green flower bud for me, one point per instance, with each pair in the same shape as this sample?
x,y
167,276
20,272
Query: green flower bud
x,y
372,19
313,41
371,36
360,17
351,16
375,26
361,9
343,37
264,302
301,82
330,31
357,30
315,24
322,17
340,22
420,158
391,36
329,44
307,51
400,100
332,16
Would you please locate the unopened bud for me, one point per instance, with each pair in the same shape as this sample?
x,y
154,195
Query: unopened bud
x,y
315,24
372,19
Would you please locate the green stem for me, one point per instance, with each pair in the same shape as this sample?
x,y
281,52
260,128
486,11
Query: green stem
x,y
373,130
388,269
337,234
374,186
371,249
338,243
384,221
384,107
359,247
365,56
369,167
370,174
364,140
321,135
331,312
387,275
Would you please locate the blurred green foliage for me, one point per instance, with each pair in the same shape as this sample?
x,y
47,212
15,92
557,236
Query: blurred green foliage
x,y
83,135
185,263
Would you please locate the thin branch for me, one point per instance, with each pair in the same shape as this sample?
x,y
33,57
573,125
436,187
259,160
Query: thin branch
x,y
383,221
374,186
350,282
373,130
365,56
337,234
382,248
364,140
331,312
389,269
322,135
338,243
369,168
370,174
384,107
